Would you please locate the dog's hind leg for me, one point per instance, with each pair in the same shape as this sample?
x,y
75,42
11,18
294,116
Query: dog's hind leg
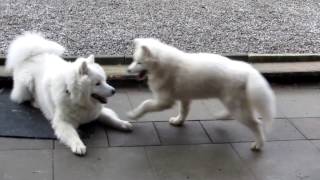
x,y
183,112
257,129
241,111
150,105
68,135
20,92
110,118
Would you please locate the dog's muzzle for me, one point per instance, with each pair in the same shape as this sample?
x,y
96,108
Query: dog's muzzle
x,y
142,75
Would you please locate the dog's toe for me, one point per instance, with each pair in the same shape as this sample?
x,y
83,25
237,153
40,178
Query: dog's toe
x,y
79,149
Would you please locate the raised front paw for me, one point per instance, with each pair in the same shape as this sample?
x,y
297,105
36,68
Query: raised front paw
x,y
133,115
176,121
78,148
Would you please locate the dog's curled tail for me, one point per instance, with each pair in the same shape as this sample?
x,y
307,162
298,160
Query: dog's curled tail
x,y
27,45
261,98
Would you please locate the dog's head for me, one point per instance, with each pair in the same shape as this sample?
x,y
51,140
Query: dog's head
x,y
143,58
93,80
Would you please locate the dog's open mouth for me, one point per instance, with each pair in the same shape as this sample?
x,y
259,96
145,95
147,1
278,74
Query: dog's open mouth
x,y
142,75
101,99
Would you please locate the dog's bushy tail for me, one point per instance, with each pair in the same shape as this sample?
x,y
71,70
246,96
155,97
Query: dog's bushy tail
x,y
27,45
261,98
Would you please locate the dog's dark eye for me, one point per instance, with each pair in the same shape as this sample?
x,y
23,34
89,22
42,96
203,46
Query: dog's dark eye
x,y
139,63
98,84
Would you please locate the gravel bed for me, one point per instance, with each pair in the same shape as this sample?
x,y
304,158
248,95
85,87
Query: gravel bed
x,y
107,27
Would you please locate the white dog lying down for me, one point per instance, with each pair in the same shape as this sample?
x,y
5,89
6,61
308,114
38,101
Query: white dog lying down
x,y
68,94
174,75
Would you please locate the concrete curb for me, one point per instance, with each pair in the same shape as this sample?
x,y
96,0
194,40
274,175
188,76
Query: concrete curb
x,y
104,60
274,58
291,76
251,57
131,81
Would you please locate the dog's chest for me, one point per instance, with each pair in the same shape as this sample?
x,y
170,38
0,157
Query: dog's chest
x,y
80,114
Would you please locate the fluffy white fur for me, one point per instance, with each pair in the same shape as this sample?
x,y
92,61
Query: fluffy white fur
x,y
174,75
69,94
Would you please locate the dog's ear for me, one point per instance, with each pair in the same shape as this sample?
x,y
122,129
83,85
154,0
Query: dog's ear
x,y
146,51
90,59
83,69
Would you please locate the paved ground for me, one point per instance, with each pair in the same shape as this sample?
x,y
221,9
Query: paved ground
x,y
222,26
202,149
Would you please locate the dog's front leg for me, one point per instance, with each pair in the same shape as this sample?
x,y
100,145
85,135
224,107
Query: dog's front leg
x,y
68,135
109,117
183,113
149,105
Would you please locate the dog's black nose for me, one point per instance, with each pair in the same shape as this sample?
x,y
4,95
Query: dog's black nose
x,y
113,91
128,70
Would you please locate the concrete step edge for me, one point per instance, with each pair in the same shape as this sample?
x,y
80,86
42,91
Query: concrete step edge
x,y
250,57
284,72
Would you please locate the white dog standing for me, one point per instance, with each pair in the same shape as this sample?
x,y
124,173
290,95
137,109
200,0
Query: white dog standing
x,y
68,94
174,75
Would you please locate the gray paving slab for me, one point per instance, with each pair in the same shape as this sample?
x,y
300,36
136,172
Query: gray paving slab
x,y
316,143
283,129
143,134
190,132
214,106
308,126
18,143
294,160
298,101
26,165
137,96
227,131
195,162
233,131
120,103
103,163
199,111
97,138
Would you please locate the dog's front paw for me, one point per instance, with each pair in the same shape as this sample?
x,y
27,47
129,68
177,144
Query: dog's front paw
x,y
256,146
176,121
132,115
126,126
79,148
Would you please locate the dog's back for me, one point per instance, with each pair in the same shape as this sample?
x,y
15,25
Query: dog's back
x,y
28,45
205,75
